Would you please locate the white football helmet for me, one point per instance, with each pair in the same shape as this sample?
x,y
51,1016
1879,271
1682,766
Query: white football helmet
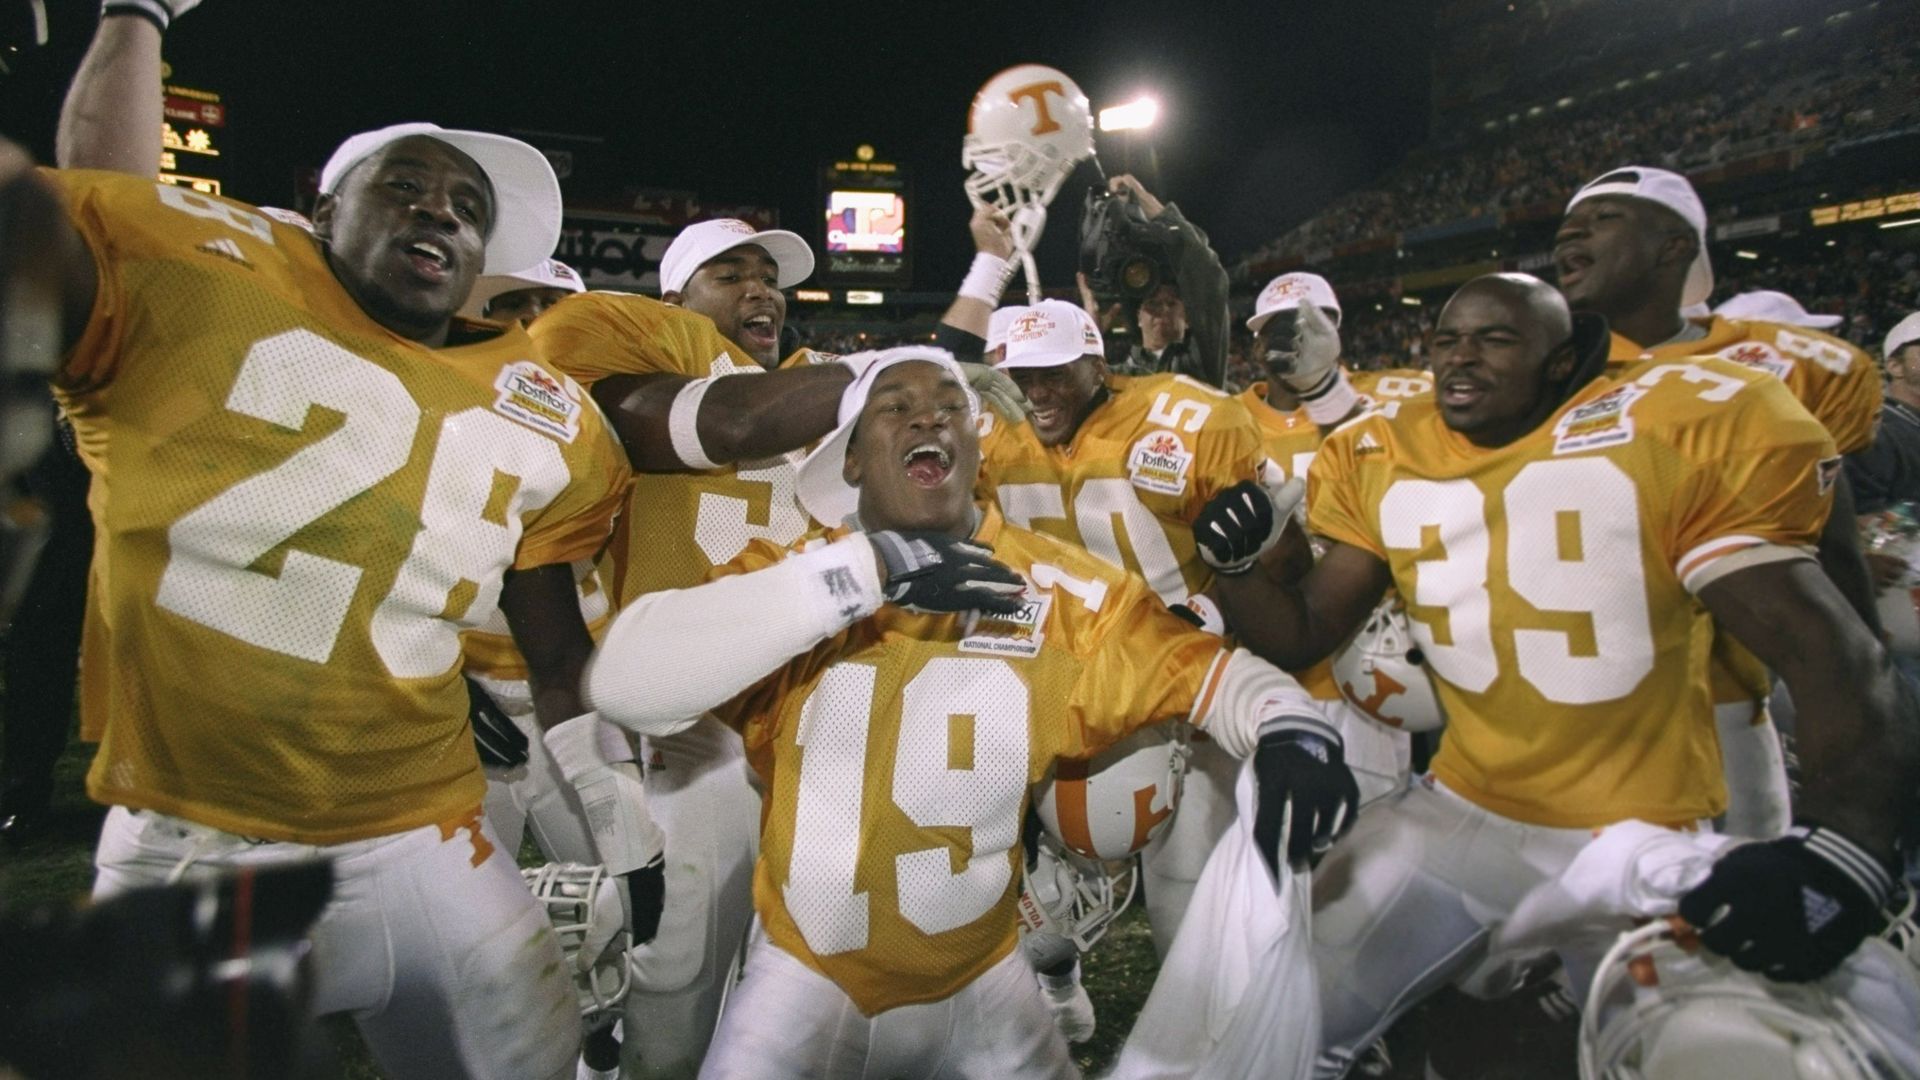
x,y
1029,126
1381,673
1073,897
1657,1011
1109,807
583,904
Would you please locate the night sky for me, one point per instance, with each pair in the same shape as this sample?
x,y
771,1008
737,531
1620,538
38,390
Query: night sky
x,y
1269,109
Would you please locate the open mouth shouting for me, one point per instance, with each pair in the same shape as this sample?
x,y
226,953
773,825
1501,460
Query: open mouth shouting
x,y
1460,392
761,331
431,260
928,465
1571,264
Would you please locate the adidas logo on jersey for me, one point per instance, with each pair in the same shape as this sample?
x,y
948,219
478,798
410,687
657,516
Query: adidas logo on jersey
x,y
226,248
1368,445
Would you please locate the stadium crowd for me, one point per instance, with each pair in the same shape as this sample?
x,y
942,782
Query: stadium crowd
x,y
848,705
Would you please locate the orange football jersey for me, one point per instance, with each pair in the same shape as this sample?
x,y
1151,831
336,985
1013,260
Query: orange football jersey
x,y
681,524
298,512
1547,581
1839,385
1133,478
898,755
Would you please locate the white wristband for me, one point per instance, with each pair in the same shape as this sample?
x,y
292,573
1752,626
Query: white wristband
x,y
1333,404
575,745
987,278
683,426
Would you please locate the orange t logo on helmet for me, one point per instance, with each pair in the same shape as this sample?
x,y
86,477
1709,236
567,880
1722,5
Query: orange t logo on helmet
x,y
1038,92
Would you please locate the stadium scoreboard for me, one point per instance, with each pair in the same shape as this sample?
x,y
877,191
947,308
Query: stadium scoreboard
x,y
193,137
866,224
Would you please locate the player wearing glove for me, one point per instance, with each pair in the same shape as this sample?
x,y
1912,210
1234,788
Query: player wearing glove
x,y
869,649
1308,796
1455,500
1244,522
1304,353
1791,908
595,759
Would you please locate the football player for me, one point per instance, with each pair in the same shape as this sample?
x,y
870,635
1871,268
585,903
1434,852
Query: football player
x,y
1119,466
1295,323
710,449
302,496
522,296
1561,537
899,694
1633,248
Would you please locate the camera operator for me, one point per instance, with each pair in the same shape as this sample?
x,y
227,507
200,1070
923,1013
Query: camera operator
x,y
1183,320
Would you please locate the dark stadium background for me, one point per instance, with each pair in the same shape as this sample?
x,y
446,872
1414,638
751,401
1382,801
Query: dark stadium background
x,y
1270,109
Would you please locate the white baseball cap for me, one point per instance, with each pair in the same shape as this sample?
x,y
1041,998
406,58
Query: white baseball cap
x,y
1051,333
1672,191
547,274
821,479
526,194
698,243
998,322
1287,292
1904,333
1766,305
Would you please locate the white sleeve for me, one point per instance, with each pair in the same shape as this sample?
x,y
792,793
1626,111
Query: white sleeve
x,y
1255,699
673,655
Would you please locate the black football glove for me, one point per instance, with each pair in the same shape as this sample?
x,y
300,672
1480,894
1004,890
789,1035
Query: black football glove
x,y
1242,523
499,740
1307,797
932,571
1792,908
646,895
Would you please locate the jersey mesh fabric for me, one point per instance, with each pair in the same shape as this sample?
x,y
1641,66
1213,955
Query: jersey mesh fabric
x,y
1543,579
1838,383
1130,483
683,524
898,756
297,512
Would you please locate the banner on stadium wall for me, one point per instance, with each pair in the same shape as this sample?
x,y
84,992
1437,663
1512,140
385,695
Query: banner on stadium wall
x,y
1759,226
1383,242
1540,211
1530,264
615,251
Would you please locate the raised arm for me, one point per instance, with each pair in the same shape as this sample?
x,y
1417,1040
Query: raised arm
x,y
112,115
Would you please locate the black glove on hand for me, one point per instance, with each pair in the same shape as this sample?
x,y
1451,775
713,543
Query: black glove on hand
x,y
1792,908
1307,797
932,571
499,740
646,897
1238,525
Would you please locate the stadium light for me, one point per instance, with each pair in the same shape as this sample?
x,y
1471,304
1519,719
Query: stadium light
x,y
1134,115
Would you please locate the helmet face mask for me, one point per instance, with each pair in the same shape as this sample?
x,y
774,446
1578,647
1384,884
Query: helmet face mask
x,y
1074,897
1661,1010
1382,673
585,909
1029,127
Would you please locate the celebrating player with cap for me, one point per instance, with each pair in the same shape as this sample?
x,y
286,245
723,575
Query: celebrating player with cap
x,y
901,693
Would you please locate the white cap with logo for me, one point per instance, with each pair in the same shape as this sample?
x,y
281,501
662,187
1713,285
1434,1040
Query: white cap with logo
x,y
546,274
998,322
1904,333
821,481
1766,305
1673,191
700,242
1287,292
526,194
1051,333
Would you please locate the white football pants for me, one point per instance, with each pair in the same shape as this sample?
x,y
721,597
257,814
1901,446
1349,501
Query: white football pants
x,y
700,792
786,1021
1405,904
431,941
534,795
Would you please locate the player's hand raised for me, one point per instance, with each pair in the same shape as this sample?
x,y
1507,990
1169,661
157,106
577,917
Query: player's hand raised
x,y
932,571
1244,522
998,390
